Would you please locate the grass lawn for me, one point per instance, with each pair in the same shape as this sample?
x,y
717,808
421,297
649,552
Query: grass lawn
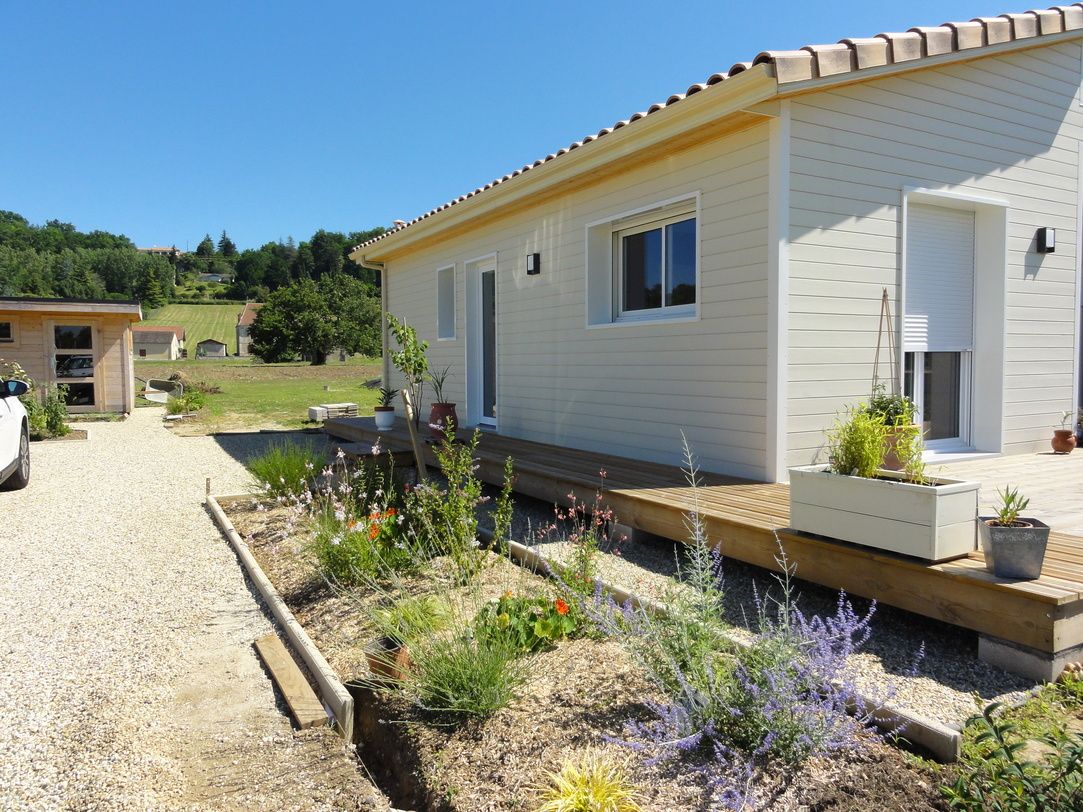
x,y
218,321
256,395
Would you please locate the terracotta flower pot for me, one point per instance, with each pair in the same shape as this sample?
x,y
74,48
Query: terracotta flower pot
x,y
439,420
1063,441
891,457
385,418
387,659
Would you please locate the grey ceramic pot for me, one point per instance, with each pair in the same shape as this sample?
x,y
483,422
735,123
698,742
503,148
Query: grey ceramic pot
x,y
1014,552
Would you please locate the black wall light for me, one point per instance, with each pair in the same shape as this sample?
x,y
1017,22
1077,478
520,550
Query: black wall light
x,y
1047,240
533,264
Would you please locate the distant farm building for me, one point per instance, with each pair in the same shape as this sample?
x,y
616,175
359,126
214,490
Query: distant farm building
x,y
244,322
159,343
211,348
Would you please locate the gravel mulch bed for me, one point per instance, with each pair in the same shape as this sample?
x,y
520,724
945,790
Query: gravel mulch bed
x,y
578,693
129,680
949,685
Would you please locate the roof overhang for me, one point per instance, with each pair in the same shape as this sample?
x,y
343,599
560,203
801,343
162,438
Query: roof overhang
x,y
749,94
706,115
72,307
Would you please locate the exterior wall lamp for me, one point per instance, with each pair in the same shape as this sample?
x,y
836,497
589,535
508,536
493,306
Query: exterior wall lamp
x,y
533,264
1047,240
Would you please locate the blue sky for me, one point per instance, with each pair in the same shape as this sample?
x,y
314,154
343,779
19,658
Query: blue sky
x,y
163,121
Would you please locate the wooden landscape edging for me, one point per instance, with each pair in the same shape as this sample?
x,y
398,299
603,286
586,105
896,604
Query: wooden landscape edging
x,y
942,741
331,690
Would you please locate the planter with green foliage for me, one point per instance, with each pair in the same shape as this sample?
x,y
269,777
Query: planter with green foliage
x,y
854,499
385,412
1014,546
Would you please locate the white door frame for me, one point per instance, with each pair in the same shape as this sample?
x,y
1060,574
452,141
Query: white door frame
x,y
475,360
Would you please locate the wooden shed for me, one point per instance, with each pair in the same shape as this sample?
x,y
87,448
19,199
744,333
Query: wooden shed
x,y
211,348
84,345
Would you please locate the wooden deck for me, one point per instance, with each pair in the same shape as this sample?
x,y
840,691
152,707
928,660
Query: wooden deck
x,y
745,517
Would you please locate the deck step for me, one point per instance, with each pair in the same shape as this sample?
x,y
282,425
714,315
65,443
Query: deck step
x,y
304,705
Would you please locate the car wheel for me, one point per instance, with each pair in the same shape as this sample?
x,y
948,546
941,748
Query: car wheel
x,y
21,477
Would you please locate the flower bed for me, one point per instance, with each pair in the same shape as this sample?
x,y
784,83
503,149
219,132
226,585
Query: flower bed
x,y
689,723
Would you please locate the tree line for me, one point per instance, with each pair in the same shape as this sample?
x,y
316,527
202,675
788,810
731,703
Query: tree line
x,y
56,259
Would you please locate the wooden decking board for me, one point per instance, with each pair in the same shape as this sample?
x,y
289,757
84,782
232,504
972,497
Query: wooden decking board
x,y
305,706
745,517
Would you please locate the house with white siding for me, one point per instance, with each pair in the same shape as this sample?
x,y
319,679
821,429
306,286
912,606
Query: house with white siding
x,y
715,265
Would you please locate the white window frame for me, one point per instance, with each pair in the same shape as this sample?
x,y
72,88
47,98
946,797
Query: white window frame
x,y
604,291
642,225
440,334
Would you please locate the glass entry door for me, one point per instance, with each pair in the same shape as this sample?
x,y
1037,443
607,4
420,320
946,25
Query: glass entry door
x,y
936,383
488,346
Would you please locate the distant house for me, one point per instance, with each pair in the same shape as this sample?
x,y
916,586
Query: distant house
x,y
211,348
244,321
169,252
84,345
159,343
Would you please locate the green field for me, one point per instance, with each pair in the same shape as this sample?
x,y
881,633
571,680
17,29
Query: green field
x,y
255,395
218,321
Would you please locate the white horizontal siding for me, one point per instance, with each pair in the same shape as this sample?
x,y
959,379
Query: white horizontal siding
x,y
628,389
1004,126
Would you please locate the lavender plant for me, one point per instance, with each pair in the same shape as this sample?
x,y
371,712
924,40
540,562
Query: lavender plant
x,y
783,698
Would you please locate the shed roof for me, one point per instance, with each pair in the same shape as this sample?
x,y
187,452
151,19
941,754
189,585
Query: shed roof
x,y
153,328
850,55
210,341
29,304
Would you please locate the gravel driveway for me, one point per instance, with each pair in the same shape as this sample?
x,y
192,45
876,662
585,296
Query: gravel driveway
x,y
128,678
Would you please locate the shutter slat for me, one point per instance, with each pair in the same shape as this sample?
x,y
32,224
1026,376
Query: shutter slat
x,y
939,314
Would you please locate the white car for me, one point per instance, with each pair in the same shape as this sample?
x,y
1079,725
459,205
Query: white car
x,y
14,437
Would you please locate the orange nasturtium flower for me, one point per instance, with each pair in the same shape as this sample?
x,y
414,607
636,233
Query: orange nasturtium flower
x,y
561,606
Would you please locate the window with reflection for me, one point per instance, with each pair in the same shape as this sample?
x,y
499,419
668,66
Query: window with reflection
x,y
656,263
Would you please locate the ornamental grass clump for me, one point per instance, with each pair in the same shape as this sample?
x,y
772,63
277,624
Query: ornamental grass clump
x,y
593,782
461,676
286,470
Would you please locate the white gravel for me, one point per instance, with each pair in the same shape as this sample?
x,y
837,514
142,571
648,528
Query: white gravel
x,y
128,680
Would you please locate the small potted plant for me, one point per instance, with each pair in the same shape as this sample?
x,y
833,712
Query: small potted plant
x,y
1063,438
385,412
442,416
1014,547
897,413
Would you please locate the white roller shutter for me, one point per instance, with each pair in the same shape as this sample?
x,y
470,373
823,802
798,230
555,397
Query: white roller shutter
x,y
939,314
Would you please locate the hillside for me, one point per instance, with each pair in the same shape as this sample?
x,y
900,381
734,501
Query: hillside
x,y
200,322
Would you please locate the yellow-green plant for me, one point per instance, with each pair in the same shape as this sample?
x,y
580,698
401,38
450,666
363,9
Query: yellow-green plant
x,y
856,443
591,783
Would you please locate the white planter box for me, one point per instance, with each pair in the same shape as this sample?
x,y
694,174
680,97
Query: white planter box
x,y
935,522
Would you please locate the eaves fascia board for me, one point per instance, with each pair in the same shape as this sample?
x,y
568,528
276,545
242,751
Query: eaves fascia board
x,y
744,90
133,311
789,89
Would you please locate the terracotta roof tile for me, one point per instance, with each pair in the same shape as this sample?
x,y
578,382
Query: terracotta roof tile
x,y
846,56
